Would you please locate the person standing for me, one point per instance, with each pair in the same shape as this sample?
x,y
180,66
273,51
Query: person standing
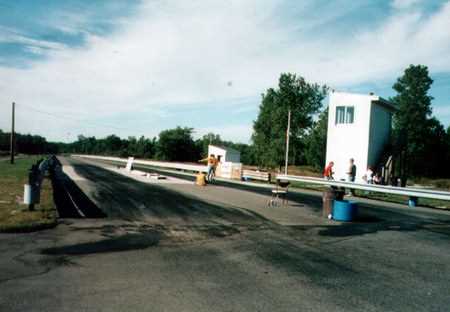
x,y
369,175
212,163
216,163
328,172
351,174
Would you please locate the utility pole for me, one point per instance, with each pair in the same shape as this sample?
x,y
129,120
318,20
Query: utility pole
x,y
13,137
287,142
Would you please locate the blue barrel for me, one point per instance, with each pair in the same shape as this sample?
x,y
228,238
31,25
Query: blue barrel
x,y
344,210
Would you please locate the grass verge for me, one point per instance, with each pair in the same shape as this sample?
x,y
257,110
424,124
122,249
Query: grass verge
x,y
14,216
423,202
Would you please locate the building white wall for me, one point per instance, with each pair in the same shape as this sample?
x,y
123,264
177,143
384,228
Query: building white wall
x,y
230,162
345,141
364,139
217,151
226,154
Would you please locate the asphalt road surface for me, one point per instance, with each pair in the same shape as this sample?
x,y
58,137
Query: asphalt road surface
x,y
130,245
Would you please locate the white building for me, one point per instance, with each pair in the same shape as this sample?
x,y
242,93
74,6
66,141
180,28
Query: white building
x,y
359,126
229,161
224,154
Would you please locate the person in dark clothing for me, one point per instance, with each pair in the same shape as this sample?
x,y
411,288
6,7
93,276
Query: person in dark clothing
x,y
351,174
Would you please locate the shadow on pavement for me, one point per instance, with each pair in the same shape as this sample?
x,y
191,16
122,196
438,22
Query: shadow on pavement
x,y
361,228
122,197
311,202
121,243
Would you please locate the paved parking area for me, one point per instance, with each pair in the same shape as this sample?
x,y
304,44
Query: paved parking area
x,y
178,247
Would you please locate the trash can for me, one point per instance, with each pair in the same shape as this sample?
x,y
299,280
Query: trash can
x,y
327,200
27,194
344,210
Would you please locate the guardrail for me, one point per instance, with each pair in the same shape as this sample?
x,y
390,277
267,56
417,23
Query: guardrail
x,y
256,175
177,167
161,164
412,193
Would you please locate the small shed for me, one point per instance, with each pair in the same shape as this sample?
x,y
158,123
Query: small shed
x,y
359,127
225,154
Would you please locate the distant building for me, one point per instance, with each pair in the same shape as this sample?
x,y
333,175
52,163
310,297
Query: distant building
x,y
229,161
359,127
225,154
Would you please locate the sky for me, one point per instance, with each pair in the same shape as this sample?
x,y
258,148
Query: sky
x,y
135,68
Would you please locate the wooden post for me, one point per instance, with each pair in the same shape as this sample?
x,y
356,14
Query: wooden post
x,y
13,138
287,143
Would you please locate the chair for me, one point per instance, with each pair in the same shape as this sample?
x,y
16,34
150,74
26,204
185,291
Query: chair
x,y
279,193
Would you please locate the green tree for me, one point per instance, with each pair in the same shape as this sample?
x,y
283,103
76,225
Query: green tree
x,y
207,139
177,145
316,142
145,147
269,129
436,150
415,132
247,152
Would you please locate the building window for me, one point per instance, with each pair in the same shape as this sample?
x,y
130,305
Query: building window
x,y
345,114
349,112
340,114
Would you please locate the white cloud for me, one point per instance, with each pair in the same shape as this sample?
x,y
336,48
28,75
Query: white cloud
x,y
185,53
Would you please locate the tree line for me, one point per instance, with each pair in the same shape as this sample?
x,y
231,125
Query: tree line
x,y
419,140
176,144
27,144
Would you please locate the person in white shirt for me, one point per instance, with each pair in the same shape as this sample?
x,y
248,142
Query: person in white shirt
x,y
368,177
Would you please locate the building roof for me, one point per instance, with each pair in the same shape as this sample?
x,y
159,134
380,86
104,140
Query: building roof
x,y
226,148
374,98
385,103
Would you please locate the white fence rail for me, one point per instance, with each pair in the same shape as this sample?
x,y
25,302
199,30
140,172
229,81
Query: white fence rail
x,y
161,164
410,192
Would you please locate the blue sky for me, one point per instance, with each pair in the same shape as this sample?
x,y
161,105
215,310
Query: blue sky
x,y
138,67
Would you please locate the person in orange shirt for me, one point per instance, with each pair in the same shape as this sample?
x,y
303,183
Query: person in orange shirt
x,y
212,163
328,172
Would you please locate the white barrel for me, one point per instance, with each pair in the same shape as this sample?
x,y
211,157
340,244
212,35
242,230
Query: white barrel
x,y
27,194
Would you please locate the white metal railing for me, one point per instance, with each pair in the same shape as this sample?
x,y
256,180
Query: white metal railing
x,y
170,166
410,192
152,163
256,175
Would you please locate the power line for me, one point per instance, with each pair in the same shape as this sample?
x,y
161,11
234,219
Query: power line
x,y
59,116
